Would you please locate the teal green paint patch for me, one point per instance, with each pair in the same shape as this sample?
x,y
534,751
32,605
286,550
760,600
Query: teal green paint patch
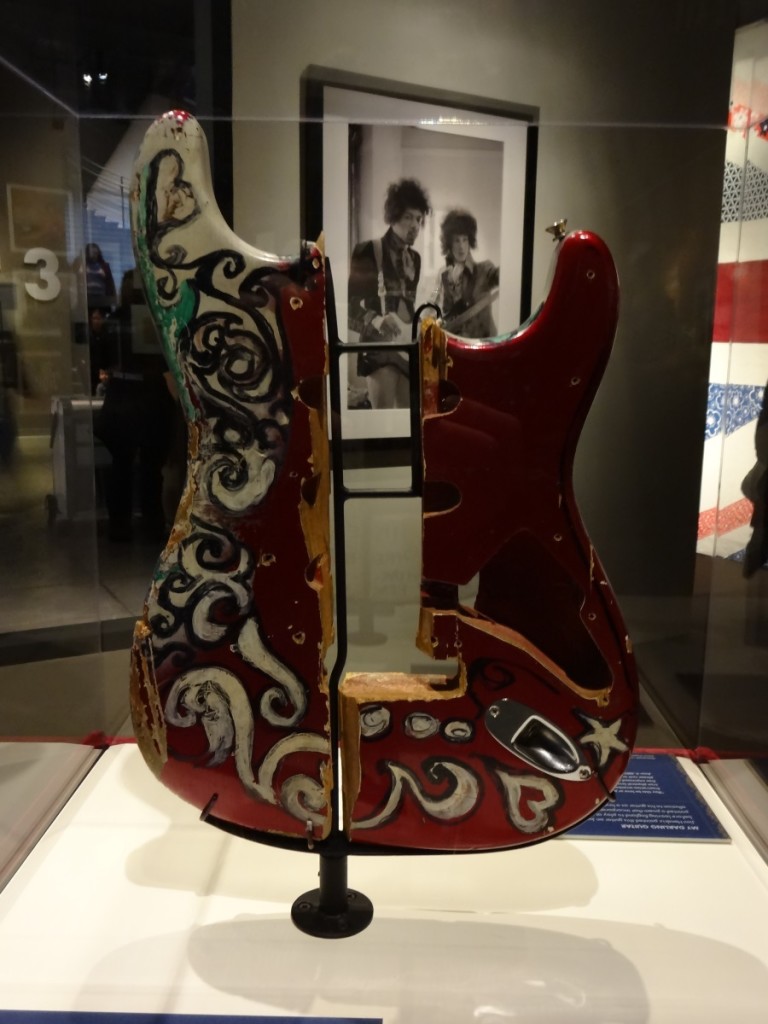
x,y
170,320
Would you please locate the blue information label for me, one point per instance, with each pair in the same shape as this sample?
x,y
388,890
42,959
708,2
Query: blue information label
x,y
84,1017
655,799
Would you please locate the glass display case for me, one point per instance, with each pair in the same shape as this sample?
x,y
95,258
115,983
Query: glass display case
x,y
516,118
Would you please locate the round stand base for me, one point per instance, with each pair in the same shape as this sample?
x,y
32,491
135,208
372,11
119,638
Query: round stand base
x,y
310,917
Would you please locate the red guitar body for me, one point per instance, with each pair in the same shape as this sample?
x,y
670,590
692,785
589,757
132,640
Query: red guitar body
x,y
534,729
529,730
229,692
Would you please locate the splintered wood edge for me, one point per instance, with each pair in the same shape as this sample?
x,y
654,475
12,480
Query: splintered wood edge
x,y
315,525
466,619
181,521
146,709
369,688
433,364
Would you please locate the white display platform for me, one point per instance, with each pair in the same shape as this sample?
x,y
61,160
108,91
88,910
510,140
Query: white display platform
x,y
36,780
129,903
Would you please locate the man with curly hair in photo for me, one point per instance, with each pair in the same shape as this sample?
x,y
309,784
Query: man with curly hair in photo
x,y
466,289
383,279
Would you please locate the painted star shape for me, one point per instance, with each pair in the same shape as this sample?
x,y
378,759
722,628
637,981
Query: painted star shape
x,y
603,737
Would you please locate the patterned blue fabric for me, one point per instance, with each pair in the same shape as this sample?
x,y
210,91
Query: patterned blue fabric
x,y
730,406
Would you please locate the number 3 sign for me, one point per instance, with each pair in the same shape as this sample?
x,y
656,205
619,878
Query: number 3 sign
x,y
47,267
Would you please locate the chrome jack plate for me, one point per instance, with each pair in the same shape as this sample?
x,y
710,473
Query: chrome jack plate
x,y
536,741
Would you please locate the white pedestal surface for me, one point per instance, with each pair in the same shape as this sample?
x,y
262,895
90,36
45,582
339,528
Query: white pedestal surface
x,y
130,903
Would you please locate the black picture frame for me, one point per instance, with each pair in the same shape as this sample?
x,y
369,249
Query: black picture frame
x,y
387,437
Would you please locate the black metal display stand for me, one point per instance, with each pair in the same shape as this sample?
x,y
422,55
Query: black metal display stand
x,y
332,910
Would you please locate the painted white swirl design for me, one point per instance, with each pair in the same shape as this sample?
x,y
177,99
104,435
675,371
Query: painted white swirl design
x,y
421,726
210,568
234,364
238,480
463,793
290,691
459,731
528,814
374,721
215,698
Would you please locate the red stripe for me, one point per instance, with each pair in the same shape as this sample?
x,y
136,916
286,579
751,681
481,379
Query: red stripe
x,y
697,754
99,740
701,755
723,520
741,301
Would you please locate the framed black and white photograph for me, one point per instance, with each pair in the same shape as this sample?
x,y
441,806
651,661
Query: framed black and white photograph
x,y
423,196
39,218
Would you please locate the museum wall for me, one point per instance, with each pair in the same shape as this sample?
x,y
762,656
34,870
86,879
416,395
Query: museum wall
x,y
633,101
40,190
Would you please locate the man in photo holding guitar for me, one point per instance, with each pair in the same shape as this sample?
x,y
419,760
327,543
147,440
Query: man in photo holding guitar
x,y
466,290
383,279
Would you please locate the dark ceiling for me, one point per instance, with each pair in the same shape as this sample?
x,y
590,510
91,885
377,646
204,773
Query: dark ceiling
x,y
142,47
103,59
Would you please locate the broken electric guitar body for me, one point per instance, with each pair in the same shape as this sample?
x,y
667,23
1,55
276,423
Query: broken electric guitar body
x,y
531,729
